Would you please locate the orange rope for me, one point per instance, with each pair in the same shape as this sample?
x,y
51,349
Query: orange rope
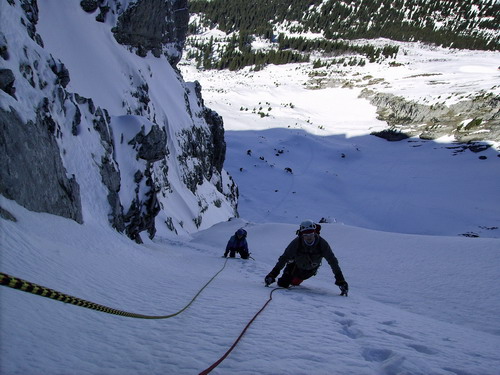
x,y
217,363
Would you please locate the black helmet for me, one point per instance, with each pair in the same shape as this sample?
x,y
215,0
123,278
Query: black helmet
x,y
241,232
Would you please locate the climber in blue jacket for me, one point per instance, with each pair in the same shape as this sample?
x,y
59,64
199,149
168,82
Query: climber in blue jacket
x,y
238,244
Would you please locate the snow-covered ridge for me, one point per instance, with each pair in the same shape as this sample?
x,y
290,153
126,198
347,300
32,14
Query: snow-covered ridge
x,y
72,81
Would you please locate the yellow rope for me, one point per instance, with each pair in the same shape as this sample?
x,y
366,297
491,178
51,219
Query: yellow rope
x,y
29,287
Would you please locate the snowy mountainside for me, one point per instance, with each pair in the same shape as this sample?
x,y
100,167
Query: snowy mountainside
x,y
122,137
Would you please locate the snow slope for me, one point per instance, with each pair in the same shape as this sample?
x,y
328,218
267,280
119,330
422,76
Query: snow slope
x,y
423,299
418,304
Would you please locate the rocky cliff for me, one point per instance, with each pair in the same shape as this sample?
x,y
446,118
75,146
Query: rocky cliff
x,y
469,120
104,127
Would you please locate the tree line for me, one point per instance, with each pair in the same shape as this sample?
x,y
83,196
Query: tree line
x,y
236,52
233,54
468,24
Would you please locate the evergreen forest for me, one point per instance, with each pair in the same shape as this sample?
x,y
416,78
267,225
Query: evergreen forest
x,y
464,24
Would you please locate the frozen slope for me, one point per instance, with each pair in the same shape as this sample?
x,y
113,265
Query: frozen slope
x,y
418,304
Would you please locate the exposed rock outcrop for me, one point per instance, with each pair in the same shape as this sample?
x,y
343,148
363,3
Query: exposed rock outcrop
x,y
32,171
7,81
152,146
471,119
154,26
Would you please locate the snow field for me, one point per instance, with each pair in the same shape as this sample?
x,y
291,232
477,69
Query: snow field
x,y
396,319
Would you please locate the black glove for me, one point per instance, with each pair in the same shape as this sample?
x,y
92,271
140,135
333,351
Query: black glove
x,y
344,287
269,280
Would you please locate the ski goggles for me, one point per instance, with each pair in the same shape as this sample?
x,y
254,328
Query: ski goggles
x,y
307,232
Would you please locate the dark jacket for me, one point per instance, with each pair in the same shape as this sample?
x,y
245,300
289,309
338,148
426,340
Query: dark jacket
x,y
308,257
237,244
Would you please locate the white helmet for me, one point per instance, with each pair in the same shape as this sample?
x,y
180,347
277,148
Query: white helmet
x,y
307,226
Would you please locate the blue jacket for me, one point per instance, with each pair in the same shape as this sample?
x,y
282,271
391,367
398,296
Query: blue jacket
x,y
237,244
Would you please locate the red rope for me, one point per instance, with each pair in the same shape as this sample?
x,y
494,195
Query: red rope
x,y
205,372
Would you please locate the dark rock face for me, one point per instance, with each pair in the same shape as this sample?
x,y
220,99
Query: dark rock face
x,y
154,25
391,135
111,179
143,211
62,73
32,171
216,126
218,143
152,146
89,5
4,48
7,81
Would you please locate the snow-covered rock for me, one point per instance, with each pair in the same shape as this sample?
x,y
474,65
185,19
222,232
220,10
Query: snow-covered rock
x,y
97,122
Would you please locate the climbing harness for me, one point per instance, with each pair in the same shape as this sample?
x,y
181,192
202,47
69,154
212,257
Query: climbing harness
x,y
218,362
29,287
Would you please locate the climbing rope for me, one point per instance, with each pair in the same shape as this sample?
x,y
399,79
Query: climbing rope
x,y
218,362
29,287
